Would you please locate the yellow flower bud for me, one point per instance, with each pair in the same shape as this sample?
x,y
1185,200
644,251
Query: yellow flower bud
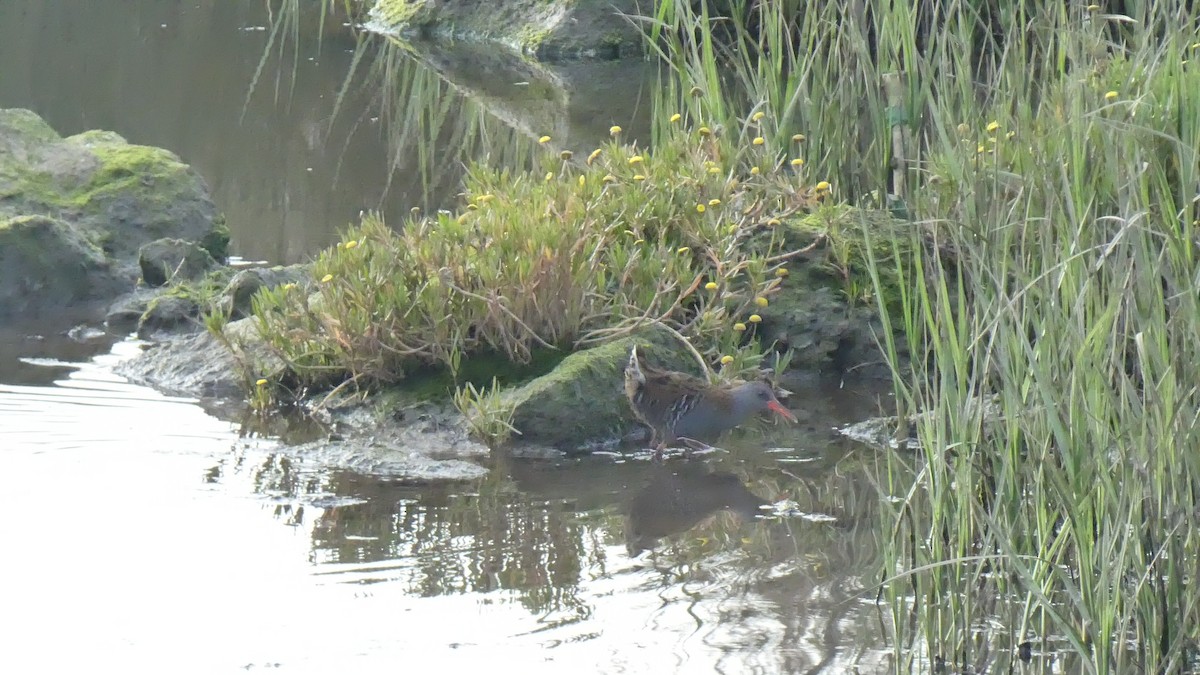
x,y
544,139
592,157
754,171
798,162
262,382
614,130
353,243
761,301
676,117
798,138
739,326
638,176
823,186
327,278
710,286
714,202
1110,96
636,159
754,318
726,360
704,131
759,140
993,126
758,116
781,272
700,208
565,155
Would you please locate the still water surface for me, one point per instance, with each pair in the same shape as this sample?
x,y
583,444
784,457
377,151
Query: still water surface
x,y
143,534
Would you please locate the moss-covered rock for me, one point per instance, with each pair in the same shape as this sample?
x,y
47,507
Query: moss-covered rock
x,y
46,265
168,259
100,200
546,29
582,400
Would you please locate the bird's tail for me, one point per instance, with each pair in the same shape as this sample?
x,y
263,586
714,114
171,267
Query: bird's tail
x,y
633,371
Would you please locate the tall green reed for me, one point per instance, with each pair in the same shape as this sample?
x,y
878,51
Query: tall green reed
x,y
1050,303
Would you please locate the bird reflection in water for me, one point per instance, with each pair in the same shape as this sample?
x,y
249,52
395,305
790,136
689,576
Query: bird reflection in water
x,y
679,497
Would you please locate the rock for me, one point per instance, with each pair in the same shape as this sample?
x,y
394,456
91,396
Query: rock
x,y
825,334
107,198
583,398
191,365
238,294
47,265
173,260
547,30
168,313
124,314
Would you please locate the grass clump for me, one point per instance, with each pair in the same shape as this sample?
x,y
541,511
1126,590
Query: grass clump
x,y
1049,155
577,252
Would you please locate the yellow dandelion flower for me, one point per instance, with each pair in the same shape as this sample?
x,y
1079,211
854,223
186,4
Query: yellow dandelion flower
x,y
714,169
472,206
980,149
704,131
638,176
676,117
353,243
638,242
592,157
1093,8
682,249
1110,95
754,318
636,159
993,126
566,154
739,326
798,162
824,186
759,140
781,272
549,176
262,382
327,278
544,139
726,360
582,180
714,202
754,171
758,116
773,222
485,198
700,208
761,301
710,286
614,130
610,178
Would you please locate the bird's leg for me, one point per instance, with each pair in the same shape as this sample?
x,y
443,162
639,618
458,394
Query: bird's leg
x,y
658,452
692,444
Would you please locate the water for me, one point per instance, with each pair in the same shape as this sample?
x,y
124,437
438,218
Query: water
x,y
293,138
148,535
143,534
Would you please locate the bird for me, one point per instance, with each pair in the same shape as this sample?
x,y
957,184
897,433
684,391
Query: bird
x,y
680,407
